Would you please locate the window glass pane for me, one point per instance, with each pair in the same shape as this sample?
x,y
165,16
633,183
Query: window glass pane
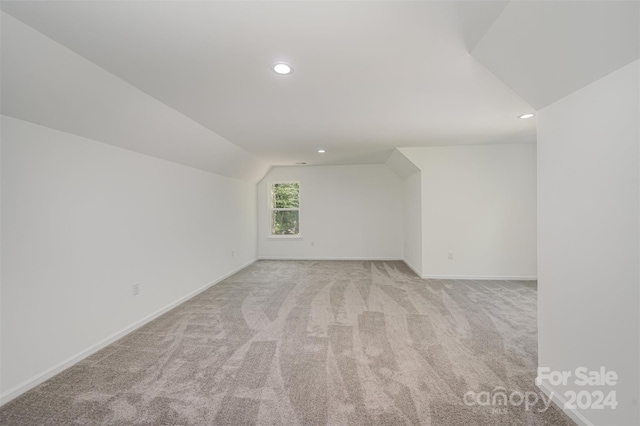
x,y
286,195
285,222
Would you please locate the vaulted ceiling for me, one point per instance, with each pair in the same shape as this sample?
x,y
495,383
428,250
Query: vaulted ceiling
x,y
368,76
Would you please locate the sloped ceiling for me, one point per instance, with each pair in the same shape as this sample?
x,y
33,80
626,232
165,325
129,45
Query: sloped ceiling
x,y
546,50
190,81
401,165
368,76
47,84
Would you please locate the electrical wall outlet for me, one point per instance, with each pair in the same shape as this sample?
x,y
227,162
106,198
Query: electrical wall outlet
x,y
450,255
233,253
313,243
135,289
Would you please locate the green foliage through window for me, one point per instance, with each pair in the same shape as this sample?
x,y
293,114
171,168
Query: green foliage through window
x,y
285,209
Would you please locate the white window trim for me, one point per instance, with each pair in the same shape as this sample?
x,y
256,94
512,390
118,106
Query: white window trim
x,y
270,210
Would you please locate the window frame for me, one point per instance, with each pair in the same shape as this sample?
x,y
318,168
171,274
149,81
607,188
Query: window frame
x,y
271,209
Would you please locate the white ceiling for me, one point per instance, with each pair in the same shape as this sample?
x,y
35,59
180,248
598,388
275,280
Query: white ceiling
x,y
401,165
546,50
45,83
369,76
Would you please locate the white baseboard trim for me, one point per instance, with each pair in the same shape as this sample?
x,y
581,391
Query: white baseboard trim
x,y
481,277
557,398
58,368
424,276
379,259
414,269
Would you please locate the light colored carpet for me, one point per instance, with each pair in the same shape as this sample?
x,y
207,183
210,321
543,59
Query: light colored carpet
x,y
311,343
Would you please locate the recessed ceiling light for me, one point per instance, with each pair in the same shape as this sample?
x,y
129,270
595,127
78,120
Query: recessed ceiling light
x,y
282,68
528,115
321,151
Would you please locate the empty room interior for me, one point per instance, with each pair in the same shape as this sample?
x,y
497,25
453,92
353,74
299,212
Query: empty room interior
x,y
320,213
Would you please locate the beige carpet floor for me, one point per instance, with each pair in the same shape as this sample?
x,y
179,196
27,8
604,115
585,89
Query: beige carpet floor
x,y
313,343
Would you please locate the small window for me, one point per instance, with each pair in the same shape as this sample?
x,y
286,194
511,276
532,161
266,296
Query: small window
x,y
285,209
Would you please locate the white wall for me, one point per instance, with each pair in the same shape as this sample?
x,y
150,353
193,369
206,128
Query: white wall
x,y
347,212
479,203
81,222
588,228
412,203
